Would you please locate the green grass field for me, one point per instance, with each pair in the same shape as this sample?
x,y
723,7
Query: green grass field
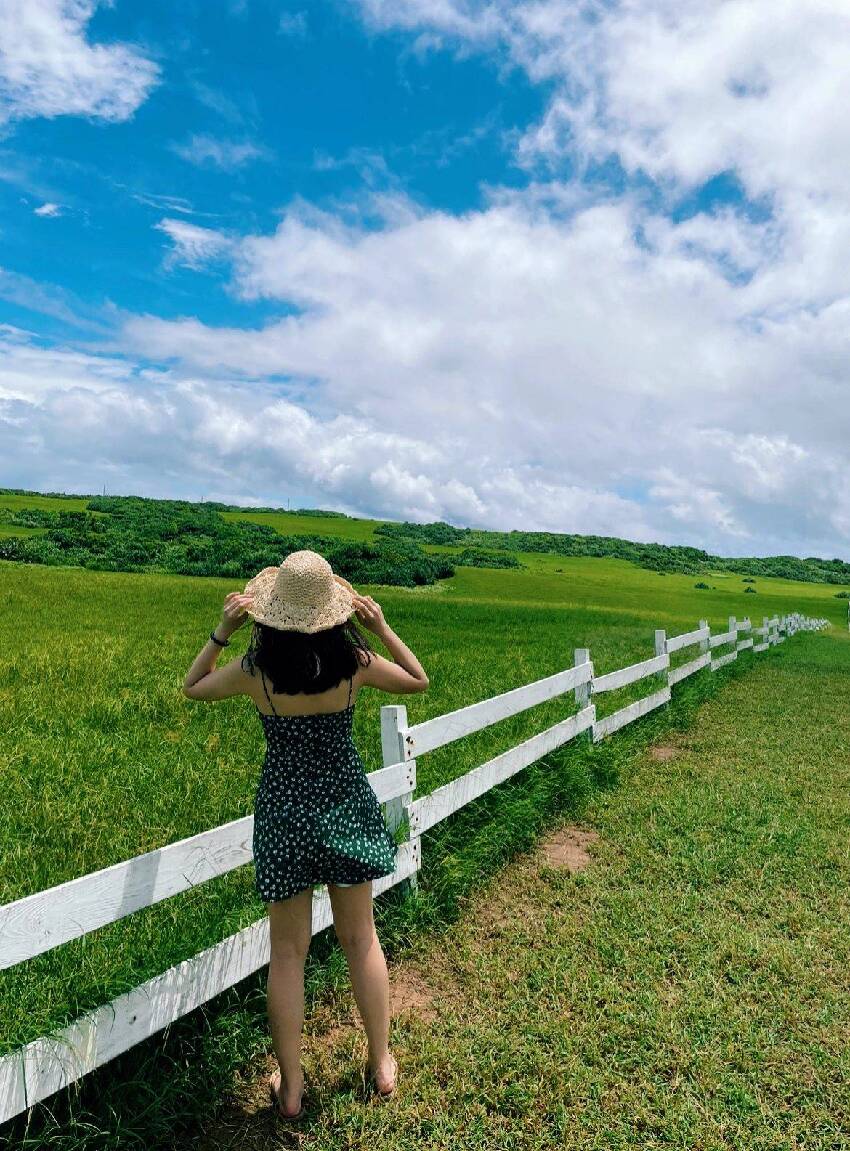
x,y
11,530
103,758
287,523
18,503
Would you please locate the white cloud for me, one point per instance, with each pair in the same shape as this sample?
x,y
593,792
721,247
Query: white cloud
x,y
228,155
193,246
47,67
99,418
48,210
674,89
681,93
566,355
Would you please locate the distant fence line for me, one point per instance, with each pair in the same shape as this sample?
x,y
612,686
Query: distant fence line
x,y
37,923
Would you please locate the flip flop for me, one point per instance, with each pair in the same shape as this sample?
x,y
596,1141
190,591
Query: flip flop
x,y
277,1104
385,1094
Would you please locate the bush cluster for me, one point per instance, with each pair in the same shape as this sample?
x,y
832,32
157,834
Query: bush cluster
x,y
183,538
656,557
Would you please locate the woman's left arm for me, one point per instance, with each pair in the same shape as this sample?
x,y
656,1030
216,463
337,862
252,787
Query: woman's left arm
x,y
205,681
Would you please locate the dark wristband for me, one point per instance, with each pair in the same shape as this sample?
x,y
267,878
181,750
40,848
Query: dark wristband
x,y
220,642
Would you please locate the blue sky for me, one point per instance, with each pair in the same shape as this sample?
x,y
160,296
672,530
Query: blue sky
x,y
301,101
574,265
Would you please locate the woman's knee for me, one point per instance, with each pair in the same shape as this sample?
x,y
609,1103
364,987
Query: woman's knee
x,y
289,949
291,927
357,939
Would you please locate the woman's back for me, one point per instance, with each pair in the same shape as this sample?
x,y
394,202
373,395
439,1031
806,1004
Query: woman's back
x,y
337,699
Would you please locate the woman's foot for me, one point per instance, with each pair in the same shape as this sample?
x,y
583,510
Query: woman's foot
x,y
289,1103
384,1075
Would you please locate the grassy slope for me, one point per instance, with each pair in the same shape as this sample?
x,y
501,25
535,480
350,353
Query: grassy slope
x,y
289,524
103,758
44,503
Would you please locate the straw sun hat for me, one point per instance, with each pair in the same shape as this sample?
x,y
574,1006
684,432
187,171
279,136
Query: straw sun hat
x,y
303,594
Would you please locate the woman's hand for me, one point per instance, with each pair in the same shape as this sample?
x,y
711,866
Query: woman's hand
x,y
234,614
369,613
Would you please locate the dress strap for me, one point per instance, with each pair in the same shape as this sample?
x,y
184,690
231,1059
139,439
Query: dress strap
x,y
268,697
350,682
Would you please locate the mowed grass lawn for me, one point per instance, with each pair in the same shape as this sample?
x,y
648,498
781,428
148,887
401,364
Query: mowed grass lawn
x,y
689,989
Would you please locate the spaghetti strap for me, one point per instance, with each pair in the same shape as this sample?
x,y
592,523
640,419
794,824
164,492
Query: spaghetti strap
x,y
268,697
350,682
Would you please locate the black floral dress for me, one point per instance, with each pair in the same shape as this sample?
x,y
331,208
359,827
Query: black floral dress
x,y
316,817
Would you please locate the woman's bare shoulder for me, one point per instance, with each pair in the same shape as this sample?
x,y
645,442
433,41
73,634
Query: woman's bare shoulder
x,y
385,675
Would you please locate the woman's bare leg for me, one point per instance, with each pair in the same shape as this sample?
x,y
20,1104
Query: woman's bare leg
x,y
355,928
290,925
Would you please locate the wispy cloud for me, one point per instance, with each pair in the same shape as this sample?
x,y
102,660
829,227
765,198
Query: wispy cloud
x,y
51,300
48,68
293,24
218,101
193,246
228,155
48,210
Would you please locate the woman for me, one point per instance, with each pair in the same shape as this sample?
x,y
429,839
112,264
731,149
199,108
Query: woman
x,y
316,817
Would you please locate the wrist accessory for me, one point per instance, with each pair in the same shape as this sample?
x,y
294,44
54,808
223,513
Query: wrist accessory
x,y
220,642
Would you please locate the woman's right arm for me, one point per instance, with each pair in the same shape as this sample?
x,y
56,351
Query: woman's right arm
x,y
406,675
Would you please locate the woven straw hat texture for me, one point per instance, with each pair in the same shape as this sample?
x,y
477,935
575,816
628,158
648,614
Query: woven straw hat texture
x,y
303,594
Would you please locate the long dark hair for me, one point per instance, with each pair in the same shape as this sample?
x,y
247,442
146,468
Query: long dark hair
x,y
309,662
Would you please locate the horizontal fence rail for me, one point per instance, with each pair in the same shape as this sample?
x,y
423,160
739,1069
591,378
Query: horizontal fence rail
x,y
443,729
40,922
47,919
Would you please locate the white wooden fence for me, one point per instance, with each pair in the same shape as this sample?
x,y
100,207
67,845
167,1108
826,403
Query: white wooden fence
x,y
40,922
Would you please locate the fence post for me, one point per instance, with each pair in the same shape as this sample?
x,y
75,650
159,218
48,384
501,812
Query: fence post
x,y
704,644
583,691
662,676
393,726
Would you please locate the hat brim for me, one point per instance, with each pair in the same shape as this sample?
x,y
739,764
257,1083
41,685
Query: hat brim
x,y
272,612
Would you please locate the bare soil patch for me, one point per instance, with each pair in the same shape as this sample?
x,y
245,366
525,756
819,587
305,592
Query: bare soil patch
x,y
663,752
567,848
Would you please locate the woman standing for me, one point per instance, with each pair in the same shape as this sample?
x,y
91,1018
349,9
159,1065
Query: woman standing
x,y
316,817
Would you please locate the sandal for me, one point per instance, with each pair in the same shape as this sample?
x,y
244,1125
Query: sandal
x,y
299,1114
385,1094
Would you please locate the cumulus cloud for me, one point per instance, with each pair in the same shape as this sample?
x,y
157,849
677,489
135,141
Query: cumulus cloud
x,y
106,419
566,356
599,355
48,68
48,210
